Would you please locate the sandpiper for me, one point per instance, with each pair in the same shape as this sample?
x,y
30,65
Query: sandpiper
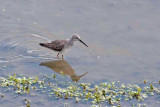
x,y
62,45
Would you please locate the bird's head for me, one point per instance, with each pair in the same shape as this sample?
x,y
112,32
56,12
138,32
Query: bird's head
x,y
76,37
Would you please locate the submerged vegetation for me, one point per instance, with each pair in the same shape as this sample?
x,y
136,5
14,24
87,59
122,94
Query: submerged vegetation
x,y
111,93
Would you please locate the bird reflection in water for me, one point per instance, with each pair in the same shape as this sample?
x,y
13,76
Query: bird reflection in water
x,y
60,66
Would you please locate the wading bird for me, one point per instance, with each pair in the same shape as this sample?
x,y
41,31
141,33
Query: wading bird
x,y
62,45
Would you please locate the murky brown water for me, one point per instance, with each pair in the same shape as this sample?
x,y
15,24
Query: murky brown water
x,y
123,39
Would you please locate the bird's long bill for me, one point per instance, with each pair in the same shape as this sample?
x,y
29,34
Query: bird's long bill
x,y
83,43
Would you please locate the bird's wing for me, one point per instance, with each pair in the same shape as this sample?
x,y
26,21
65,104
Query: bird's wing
x,y
57,45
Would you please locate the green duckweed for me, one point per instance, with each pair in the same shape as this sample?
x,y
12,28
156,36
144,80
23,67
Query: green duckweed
x,y
105,92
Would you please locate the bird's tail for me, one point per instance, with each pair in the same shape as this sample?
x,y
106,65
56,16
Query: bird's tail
x,y
44,44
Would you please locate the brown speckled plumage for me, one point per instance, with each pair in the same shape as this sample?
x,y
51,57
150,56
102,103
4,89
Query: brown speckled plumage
x,y
61,45
56,45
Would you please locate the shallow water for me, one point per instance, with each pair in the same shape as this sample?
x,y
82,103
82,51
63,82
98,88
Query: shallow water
x,y
123,39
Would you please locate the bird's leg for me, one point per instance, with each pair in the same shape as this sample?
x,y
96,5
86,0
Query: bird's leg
x,y
62,56
58,55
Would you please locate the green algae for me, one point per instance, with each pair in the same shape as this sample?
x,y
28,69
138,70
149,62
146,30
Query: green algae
x,y
105,92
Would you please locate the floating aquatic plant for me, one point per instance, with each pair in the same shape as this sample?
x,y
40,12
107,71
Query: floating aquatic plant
x,y
105,92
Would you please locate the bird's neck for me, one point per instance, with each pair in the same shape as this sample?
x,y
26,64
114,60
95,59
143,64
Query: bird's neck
x,y
71,42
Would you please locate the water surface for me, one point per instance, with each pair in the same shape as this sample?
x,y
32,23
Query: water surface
x,y
123,39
